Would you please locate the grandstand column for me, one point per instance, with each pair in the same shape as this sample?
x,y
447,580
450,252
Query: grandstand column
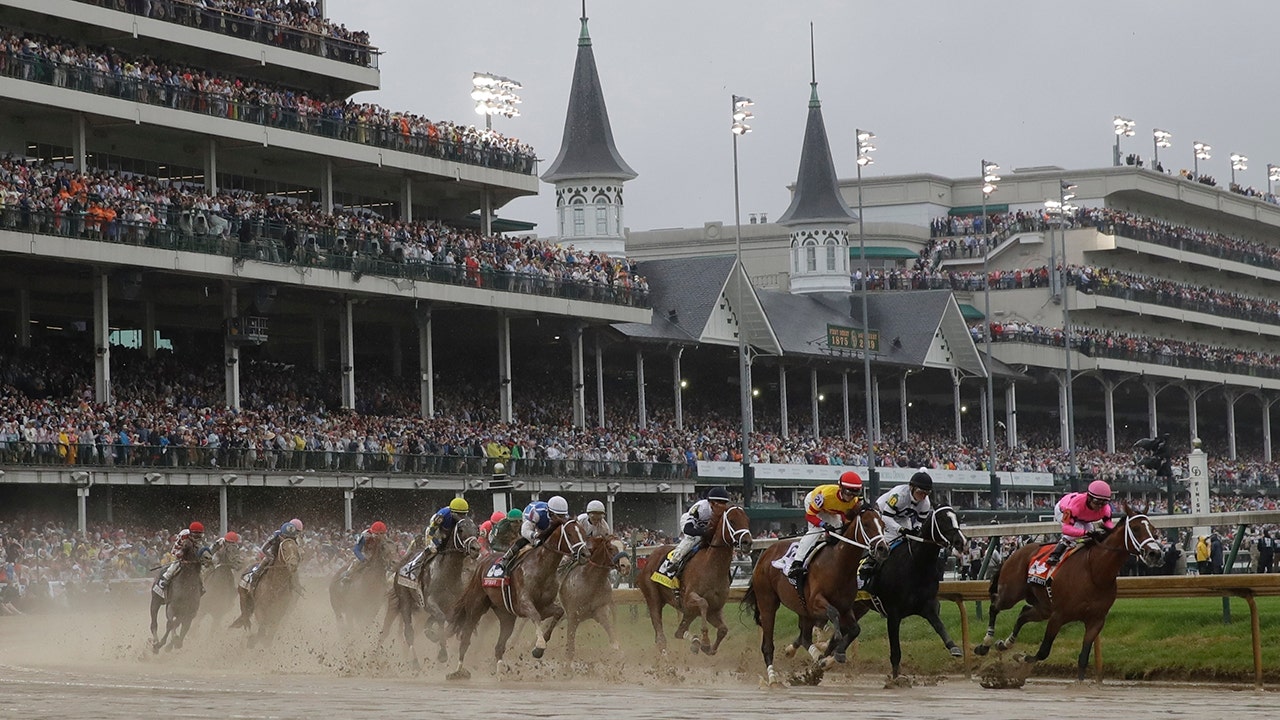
x,y
579,390
1109,411
231,351
504,366
101,337
599,383
983,410
844,403
1010,415
222,510
955,400
406,199
326,187
1063,432
902,403
78,143
397,353
319,344
82,500
875,408
1231,397
782,400
679,392
211,167
149,329
1153,388
347,497
347,350
1193,412
643,417
813,401
23,330
426,365
1266,427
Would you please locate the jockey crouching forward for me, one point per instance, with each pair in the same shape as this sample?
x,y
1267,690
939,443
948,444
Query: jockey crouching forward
x,y
694,524
186,551
437,534
368,546
226,550
826,508
540,518
506,531
290,530
1078,512
593,522
903,509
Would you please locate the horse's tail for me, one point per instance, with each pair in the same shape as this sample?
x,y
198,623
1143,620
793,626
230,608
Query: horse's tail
x,y
749,601
460,612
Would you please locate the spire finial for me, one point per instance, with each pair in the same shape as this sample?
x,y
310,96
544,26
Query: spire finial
x,y
813,72
584,38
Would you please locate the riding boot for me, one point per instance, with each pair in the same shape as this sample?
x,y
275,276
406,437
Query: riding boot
x,y
867,573
512,551
1056,555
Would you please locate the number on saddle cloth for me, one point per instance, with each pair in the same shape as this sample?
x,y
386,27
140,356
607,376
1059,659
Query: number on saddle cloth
x,y
496,576
1039,571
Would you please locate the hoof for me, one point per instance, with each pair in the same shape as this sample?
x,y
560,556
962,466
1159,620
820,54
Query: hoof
x,y
956,651
155,648
695,646
789,651
459,674
538,652
840,658
500,667
827,662
981,650
773,679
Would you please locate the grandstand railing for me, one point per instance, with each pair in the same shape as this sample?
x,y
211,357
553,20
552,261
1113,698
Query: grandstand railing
x,y
323,249
1158,236
240,26
388,136
1164,299
1090,348
41,454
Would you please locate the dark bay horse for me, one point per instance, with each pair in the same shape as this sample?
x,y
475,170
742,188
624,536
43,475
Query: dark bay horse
x,y
531,593
586,593
274,595
704,583
220,595
1083,587
829,589
180,607
358,598
440,582
907,583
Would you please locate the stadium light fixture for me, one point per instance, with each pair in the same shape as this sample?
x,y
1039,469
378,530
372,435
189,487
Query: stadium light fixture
x,y
229,478
150,478
360,481
664,487
1124,127
1238,162
1161,139
614,487
296,480
566,485
990,177
475,483
1201,153
421,483
1273,174
495,95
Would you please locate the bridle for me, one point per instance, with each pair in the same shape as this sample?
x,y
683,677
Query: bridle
x,y
727,534
1131,543
458,544
934,533
861,537
564,546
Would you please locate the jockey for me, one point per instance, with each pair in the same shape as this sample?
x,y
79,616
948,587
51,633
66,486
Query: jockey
x,y
370,542
443,523
506,531
693,524
827,508
902,509
540,518
486,528
226,549
186,550
593,521
1078,512
290,530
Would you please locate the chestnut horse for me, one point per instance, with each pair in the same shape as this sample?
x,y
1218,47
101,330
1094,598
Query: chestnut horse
x,y
1083,587
907,583
440,581
531,593
587,591
274,594
704,582
829,588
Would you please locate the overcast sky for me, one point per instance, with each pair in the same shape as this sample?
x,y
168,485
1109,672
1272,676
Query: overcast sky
x,y
943,84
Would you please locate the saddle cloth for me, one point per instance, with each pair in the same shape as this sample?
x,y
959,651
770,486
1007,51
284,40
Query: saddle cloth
x,y
244,578
1038,571
784,562
496,576
408,575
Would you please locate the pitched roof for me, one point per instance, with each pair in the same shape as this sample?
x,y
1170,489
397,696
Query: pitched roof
x,y
587,149
816,198
690,287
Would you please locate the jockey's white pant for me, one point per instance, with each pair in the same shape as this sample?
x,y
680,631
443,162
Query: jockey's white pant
x,y
682,548
805,544
170,571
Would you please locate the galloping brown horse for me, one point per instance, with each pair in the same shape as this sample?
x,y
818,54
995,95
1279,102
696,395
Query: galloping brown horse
x,y
1083,587
440,582
829,589
530,592
356,597
274,595
704,584
587,592
181,604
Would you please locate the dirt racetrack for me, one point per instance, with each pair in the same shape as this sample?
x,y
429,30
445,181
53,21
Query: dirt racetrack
x,y
97,664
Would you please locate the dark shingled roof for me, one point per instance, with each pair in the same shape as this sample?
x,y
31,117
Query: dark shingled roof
x,y
817,196
587,149
691,287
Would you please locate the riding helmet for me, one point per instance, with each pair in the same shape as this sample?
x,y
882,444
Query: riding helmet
x,y
196,527
595,506
558,505
378,528
922,480
232,537
718,493
1100,490
459,505
850,480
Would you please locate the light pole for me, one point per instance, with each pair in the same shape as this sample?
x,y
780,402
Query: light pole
x,y
1124,128
1161,139
1201,153
989,180
1238,162
1065,193
1273,174
741,114
865,148
494,95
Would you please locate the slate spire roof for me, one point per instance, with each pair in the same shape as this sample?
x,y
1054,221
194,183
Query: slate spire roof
x,y
817,196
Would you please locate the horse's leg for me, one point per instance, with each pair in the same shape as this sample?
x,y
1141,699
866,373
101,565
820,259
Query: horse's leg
x,y
571,629
550,618
155,608
1091,631
655,617
847,630
1030,613
1051,629
699,607
895,642
722,629
406,627
767,611
998,603
930,614
604,616
506,624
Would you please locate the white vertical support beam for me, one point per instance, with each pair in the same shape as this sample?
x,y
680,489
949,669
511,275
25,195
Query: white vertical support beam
x,y
149,329
82,501
813,403
1153,424
347,497
102,337
608,508
1231,396
211,167
643,418
23,330
397,352
955,400
679,389
1063,437
579,387
486,214
844,403
782,400
222,510
983,410
326,186
1109,413
1266,427
318,359
1011,415
230,350
406,198
426,365
347,350
875,407
902,405
504,367
79,144
600,420
1193,412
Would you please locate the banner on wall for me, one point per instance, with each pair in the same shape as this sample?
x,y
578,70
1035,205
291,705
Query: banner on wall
x,y
817,474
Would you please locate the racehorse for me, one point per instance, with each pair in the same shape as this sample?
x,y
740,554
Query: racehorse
x,y
181,604
358,597
220,591
529,590
273,596
439,582
1083,586
704,583
829,588
907,583
587,590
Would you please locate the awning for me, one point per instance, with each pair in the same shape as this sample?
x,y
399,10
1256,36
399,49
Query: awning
x,y
970,313
977,210
498,224
885,252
